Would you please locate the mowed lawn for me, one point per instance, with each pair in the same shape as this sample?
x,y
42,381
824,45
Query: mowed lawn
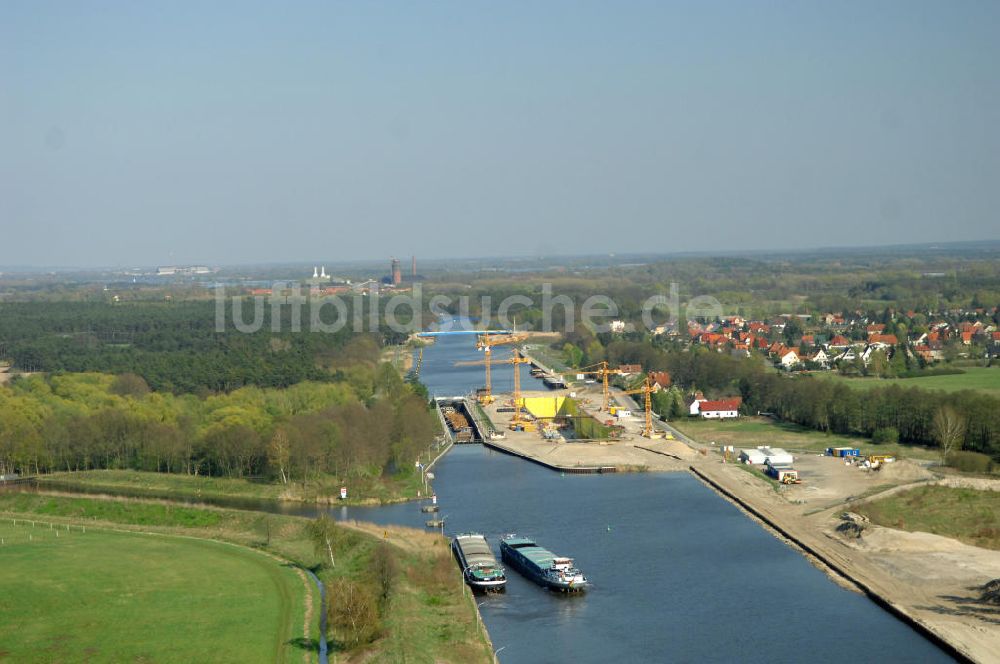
x,y
104,596
981,379
754,431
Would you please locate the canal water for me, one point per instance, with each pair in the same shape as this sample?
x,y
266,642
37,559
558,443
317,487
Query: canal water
x,y
678,574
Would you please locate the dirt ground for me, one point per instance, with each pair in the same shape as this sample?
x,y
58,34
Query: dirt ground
x,y
633,452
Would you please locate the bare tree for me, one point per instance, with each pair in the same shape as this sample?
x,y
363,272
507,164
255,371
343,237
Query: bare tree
x,y
948,428
278,453
351,610
323,533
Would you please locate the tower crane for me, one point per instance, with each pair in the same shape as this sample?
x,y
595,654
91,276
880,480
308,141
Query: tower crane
x,y
603,371
485,343
647,391
518,421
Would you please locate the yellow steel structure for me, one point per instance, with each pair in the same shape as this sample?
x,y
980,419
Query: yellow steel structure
x,y
647,390
518,421
485,343
603,371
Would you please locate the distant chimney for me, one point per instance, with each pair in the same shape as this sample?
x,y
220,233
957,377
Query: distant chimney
x,y
315,273
322,272
397,275
413,268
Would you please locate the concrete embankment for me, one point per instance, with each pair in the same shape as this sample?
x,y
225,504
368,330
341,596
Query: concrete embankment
x,y
849,566
527,456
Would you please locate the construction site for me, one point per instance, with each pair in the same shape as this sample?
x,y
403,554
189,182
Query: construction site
x,y
585,425
585,421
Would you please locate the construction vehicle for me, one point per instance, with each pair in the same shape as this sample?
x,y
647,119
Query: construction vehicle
x,y
875,461
647,391
485,343
603,372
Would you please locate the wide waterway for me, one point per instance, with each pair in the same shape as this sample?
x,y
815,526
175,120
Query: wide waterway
x,y
678,574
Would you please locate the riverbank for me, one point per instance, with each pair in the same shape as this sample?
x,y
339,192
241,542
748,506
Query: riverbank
x,y
925,579
426,618
404,487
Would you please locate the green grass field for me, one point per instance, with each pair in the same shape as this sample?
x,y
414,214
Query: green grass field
x,y
964,514
102,596
428,620
754,431
981,379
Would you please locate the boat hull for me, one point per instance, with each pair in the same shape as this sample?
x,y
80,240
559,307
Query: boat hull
x,y
528,568
480,569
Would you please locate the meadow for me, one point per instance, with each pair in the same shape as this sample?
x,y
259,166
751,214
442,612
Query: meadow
x,y
85,593
429,616
980,379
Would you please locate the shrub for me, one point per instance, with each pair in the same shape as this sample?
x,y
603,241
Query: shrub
x,y
385,568
885,435
970,462
352,612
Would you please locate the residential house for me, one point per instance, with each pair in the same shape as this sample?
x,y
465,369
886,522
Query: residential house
x,y
720,409
788,358
839,341
659,380
882,341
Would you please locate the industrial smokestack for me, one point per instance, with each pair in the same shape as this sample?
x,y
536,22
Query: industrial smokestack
x,y
397,274
413,268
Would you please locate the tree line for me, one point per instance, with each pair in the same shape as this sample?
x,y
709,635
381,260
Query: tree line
x,y
175,346
372,425
883,413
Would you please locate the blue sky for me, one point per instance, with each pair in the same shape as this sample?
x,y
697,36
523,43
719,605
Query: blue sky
x,y
229,132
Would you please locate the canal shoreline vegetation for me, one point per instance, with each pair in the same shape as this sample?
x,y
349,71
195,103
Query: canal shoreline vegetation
x,y
420,611
298,443
401,487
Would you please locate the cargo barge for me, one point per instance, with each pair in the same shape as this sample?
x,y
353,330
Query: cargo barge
x,y
540,565
479,567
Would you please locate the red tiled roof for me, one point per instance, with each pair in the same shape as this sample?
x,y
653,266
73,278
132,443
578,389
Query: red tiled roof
x,y
721,404
661,378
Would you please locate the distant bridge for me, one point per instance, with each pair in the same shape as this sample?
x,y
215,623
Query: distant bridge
x,y
450,333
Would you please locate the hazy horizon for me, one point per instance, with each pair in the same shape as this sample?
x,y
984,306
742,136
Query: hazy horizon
x,y
240,133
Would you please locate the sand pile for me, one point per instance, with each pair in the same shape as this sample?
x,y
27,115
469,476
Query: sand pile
x,y
904,471
677,448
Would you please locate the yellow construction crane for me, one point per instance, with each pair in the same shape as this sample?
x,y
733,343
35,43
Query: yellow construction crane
x,y
603,371
485,343
647,390
518,421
